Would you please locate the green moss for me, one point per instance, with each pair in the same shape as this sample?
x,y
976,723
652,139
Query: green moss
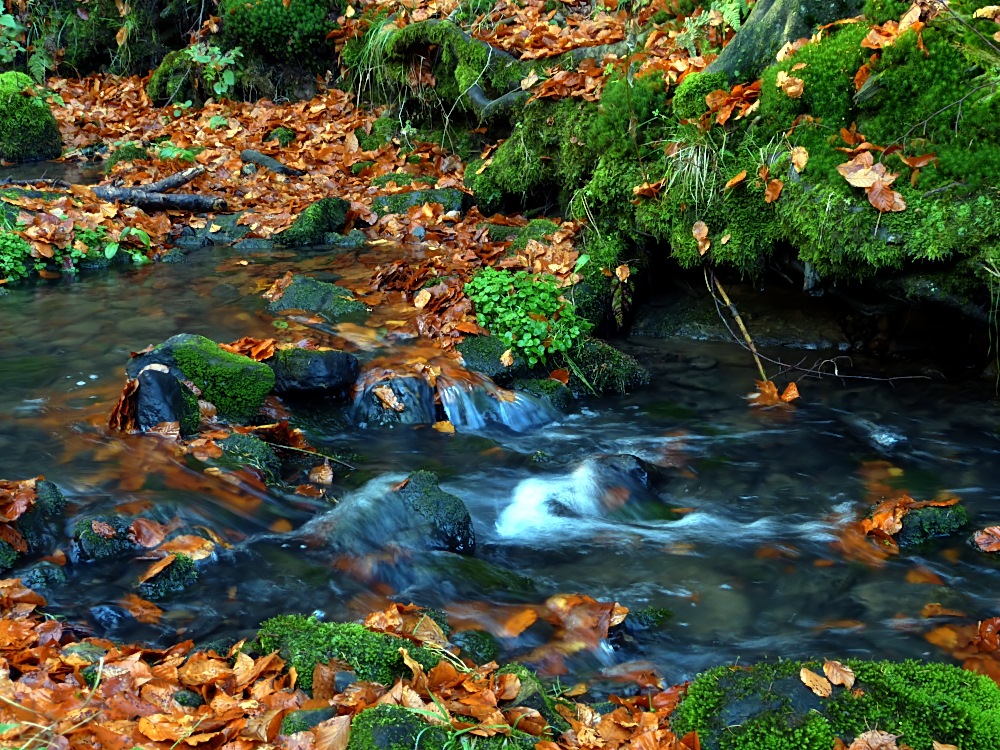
x,y
383,130
650,618
237,385
547,389
28,131
241,450
323,216
305,642
533,695
388,727
43,575
125,152
293,34
607,369
89,41
880,11
188,699
767,706
689,98
284,136
179,575
173,80
333,302
8,556
300,721
360,166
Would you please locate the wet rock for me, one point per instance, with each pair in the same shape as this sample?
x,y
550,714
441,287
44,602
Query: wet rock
x,y
312,225
223,229
179,575
412,392
607,369
554,393
923,525
42,576
445,512
38,526
329,372
475,403
731,708
477,645
163,398
400,203
332,302
102,537
237,385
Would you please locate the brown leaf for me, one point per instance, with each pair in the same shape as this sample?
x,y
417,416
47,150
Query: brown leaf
x,y
444,426
700,232
157,568
622,272
773,190
507,358
388,397
838,674
142,610
884,198
988,539
333,734
792,86
817,683
874,739
859,171
322,474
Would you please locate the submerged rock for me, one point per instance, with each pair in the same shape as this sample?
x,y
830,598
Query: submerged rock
x,y
414,399
237,385
329,372
768,705
332,302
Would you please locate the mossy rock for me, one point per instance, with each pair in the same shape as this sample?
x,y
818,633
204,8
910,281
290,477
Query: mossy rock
x,y
179,575
477,646
311,226
607,369
332,302
305,642
103,537
767,707
284,136
28,131
923,525
446,513
39,526
174,80
403,179
237,385
534,695
482,354
400,203
43,575
388,727
300,721
245,450
329,372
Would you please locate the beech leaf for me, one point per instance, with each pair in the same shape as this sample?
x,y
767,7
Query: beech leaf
x,y
817,683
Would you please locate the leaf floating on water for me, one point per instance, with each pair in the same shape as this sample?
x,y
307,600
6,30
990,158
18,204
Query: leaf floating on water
x,y
142,610
444,426
767,395
388,397
839,674
817,683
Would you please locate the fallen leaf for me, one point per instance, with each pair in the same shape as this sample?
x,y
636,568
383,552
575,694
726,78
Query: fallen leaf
x,y
838,674
874,739
444,426
800,157
736,180
421,300
622,272
817,683
988,539
773,190
388,397
700,232
792,86
507,358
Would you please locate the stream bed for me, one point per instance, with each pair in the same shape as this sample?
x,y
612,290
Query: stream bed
x,y
748,566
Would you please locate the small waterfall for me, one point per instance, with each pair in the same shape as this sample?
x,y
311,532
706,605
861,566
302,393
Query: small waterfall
x,y
475,402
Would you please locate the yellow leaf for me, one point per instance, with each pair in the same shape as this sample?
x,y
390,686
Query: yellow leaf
x,y
215,228
507,358
725,239
792,86
421,300
350,12
799,158
388,397
622,272
528,81
817,683
122,36
444,426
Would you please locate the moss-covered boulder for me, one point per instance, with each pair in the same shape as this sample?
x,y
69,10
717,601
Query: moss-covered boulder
x,y
327,215
276,32
174,80
446,513
305,642
102,537
689,97
482,354
478,646
388,727
39,526
300,721
400,203
606,369
768,706
237,385
332,302
328,372
552,392
28,131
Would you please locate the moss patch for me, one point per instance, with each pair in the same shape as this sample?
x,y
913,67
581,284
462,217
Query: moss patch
x,y
310,227
28,131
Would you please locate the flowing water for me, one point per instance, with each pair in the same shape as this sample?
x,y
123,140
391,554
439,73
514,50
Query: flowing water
x,y
748,565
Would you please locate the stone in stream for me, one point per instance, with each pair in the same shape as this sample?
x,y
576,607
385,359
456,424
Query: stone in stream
x,y
328,372
409,399
399,203
325,216
237,385
163,398
768,705
923,525
332,302
38,526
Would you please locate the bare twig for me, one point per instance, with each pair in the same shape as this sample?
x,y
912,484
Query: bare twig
x,y
736,316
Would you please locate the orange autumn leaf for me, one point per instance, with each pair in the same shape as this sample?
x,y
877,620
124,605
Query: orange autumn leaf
x,y
791,85
561,375
736,180
988,539
884,198
839,674
920,574
142,610
156,568
773,190
767,394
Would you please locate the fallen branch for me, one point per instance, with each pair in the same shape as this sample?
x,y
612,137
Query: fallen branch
x,y
739,321
249,156
172,181
144,199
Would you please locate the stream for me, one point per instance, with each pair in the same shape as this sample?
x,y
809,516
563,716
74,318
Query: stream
x,y
748,567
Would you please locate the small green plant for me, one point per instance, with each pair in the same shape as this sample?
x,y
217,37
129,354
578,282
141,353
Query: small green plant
x,y
168,151
97,240
14,253
527,312
11,36
216,66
